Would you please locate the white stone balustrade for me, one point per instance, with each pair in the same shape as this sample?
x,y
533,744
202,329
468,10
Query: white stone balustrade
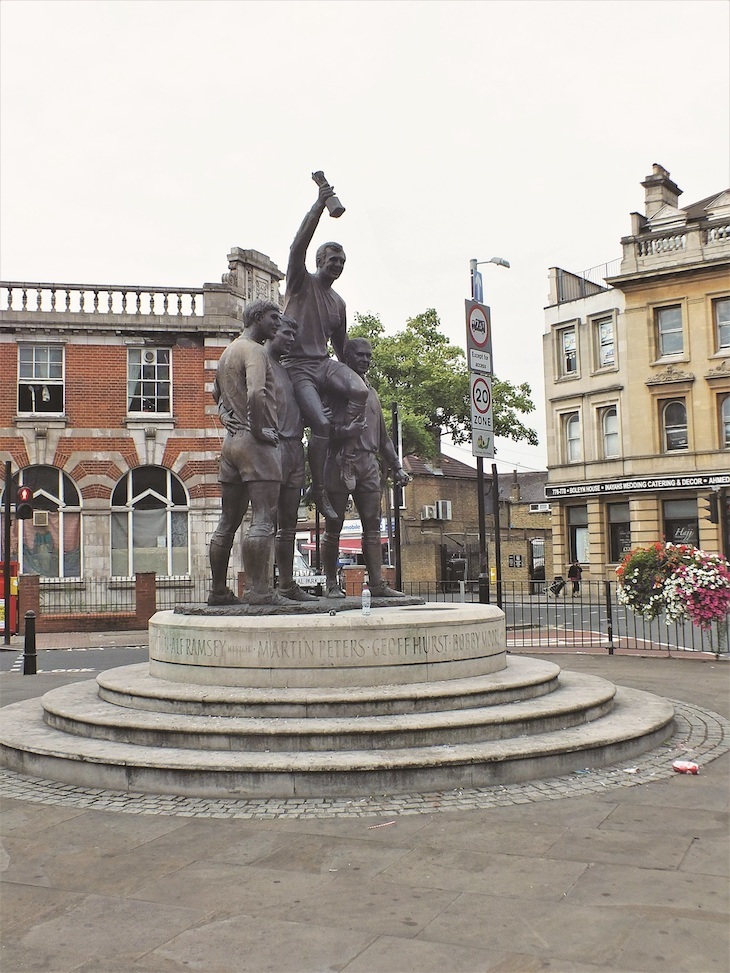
x,y
717,234
100,299
684,246
661,244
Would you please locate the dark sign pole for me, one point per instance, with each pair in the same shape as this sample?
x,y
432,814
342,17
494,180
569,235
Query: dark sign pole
x,y
497,533
483,580
396,504
6,552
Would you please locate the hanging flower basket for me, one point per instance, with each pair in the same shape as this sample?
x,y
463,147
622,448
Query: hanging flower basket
x,y
678,580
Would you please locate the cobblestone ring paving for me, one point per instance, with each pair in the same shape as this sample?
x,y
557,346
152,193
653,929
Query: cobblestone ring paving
x,y
700,735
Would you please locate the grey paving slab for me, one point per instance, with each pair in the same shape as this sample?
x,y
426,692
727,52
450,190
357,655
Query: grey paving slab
x,y
659,850
372,904
580,811
623,885
678,943
92,928
235,842
321,855
94,870
252,944
97,829
479,832
29,818
415,956
545,930
386,828
470,871
708,856
22,902
657,819
220,889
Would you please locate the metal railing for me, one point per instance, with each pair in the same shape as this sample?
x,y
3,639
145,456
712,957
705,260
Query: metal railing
x,y
539,616
90,596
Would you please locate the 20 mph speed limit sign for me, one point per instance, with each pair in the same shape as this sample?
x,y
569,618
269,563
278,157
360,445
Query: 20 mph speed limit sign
x,y
482,433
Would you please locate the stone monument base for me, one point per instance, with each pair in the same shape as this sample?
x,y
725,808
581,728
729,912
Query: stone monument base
x,y
419,698
419,643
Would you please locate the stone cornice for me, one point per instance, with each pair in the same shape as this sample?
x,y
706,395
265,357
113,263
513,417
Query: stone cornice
x,y
719,371
669,376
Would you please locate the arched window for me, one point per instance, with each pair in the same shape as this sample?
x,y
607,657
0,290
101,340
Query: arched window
x,y
49,544
150,524
572,438
725,422
610,433
674,417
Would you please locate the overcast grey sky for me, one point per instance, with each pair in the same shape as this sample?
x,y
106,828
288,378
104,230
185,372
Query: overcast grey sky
x,y
141,140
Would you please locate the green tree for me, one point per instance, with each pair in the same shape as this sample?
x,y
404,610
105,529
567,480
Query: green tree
x,y
429,379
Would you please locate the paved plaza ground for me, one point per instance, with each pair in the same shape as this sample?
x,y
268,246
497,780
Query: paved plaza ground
x,y
620,869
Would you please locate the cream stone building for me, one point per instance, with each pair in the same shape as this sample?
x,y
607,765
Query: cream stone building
x,y
637,379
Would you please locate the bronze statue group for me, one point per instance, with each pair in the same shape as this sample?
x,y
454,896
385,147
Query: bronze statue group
x,y
273,381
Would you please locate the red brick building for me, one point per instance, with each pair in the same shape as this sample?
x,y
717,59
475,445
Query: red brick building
x,y
105,411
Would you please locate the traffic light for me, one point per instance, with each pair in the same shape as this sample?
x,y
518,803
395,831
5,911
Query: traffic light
x,y
24,503
710,508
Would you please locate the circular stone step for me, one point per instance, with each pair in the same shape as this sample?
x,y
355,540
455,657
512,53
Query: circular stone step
x,y
637,722
133,687
77,709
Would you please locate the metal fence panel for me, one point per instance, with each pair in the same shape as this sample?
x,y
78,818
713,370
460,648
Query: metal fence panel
x,y
539,616
98,596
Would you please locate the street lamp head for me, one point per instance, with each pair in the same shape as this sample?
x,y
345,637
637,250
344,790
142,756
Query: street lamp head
x,y
499,261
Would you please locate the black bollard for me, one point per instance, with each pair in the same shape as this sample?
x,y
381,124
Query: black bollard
x,y
483,584
30,658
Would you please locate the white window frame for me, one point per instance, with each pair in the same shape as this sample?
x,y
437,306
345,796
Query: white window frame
x,y
573,443
149,367
610,411
663,332
55,503
164,501
725,421
721,321
674,427
39,374
600,324
566,354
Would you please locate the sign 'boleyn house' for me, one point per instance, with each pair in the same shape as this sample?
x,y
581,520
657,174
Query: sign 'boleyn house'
x,y
637,376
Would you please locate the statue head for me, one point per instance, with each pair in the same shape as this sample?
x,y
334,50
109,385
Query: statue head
x,y
254,312
330,260
358,355
284,338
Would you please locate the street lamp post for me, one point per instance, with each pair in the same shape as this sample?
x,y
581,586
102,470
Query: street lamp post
x,y
478,295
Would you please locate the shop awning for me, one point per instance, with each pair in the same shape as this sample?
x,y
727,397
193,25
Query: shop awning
x,y
350,545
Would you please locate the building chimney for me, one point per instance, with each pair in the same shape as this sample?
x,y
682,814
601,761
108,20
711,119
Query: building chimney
x,y
659,190
514,493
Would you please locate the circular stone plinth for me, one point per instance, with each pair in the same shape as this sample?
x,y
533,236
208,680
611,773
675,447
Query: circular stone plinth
x,y
390,646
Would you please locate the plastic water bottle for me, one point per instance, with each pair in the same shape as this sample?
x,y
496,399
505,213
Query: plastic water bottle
x,y
366,598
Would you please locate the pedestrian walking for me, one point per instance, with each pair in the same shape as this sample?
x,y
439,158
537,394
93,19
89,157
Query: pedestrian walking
x,y
575,572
